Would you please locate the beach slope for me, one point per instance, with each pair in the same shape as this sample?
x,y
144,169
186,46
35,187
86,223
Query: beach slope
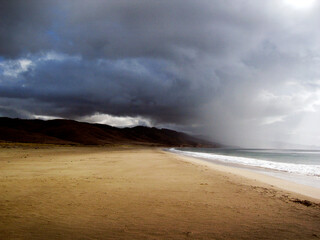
x,y
140,193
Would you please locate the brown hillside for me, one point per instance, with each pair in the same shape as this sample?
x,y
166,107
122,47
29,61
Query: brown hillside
x,y
73,132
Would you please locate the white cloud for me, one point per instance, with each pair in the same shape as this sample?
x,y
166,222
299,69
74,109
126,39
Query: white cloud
x,y
56,56
44,117
272,120
116,121
13,68
300,4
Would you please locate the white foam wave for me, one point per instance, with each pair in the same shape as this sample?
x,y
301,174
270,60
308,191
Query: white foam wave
x,y
310,170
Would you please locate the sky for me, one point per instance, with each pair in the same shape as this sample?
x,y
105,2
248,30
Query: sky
x,y
243,73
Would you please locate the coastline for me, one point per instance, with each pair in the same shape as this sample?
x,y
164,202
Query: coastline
x,y
140,193
307,191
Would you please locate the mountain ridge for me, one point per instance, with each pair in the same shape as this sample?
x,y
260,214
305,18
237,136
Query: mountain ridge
x,y
71,132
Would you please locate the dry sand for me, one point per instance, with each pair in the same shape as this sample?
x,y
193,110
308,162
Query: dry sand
x,y
99,193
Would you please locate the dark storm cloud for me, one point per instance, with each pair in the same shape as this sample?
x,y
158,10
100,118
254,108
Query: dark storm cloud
x,y
222,67
128,28
78,87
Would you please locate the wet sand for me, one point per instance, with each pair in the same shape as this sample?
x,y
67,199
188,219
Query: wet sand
x,y
312,193
136,193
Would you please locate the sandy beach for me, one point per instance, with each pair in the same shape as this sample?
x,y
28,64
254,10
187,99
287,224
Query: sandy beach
x,y
141,193
303,190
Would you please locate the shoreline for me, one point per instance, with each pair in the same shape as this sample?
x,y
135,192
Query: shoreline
x,y
273,181
140,193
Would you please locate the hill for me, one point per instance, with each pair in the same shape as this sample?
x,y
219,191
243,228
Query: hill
x,y
62,131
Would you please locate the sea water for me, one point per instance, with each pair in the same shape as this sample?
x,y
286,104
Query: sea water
x,y
300,166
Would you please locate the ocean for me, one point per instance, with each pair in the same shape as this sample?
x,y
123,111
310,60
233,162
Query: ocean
x,y
300,166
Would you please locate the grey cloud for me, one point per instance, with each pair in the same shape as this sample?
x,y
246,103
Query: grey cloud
x,y
201,66
128,28
132,87
13,113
